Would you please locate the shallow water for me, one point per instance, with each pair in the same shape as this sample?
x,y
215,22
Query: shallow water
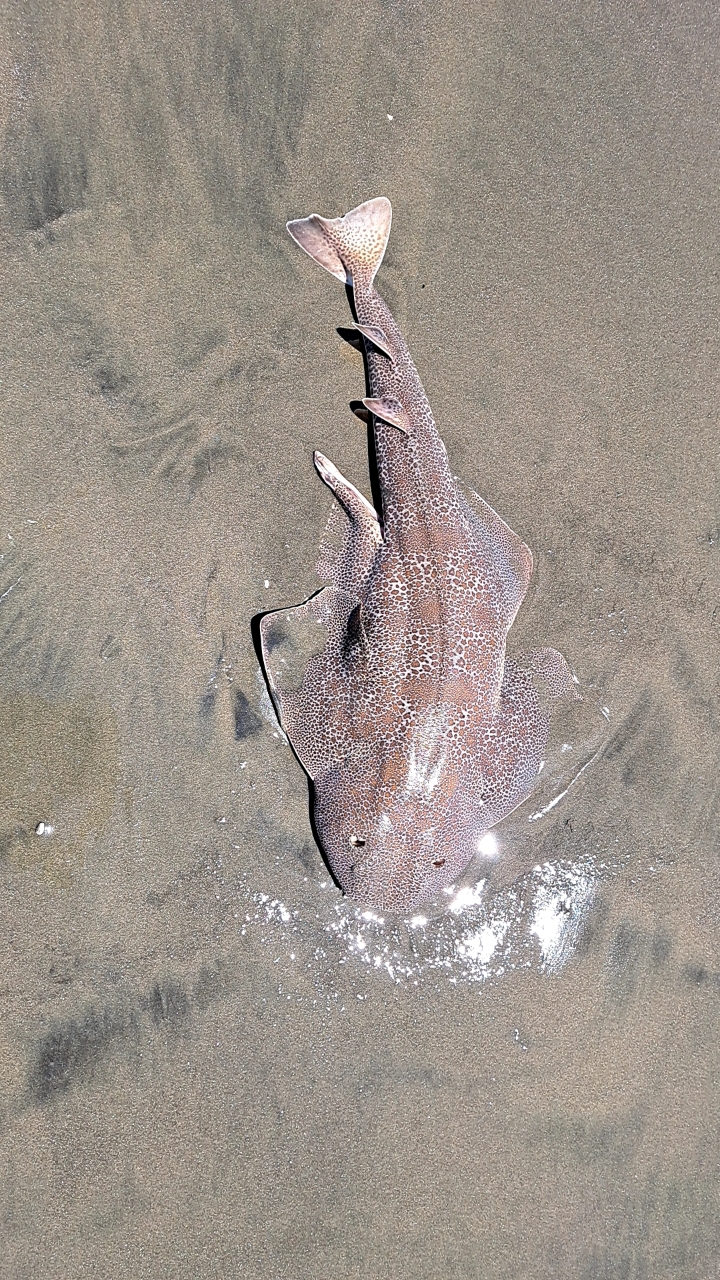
x,y
211,1063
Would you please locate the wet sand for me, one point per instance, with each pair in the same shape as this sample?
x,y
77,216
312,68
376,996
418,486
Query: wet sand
x,y
210,1063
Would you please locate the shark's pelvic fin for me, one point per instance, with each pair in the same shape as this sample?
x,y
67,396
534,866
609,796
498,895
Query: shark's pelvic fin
x,y
357,507
389,410
350,246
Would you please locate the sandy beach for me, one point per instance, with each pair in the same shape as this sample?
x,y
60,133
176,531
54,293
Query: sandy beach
x,y
211,1063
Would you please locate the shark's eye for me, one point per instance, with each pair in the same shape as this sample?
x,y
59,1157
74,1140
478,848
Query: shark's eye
x,y
357,842
439,862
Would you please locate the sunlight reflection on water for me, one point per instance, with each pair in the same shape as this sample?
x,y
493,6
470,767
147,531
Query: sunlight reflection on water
x,y
533,924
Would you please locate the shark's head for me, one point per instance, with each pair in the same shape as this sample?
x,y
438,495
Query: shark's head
x,y
390,847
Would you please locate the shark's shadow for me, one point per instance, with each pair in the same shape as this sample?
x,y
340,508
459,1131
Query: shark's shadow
x,y
354,339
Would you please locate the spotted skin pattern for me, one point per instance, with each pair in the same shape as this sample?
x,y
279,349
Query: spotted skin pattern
x,y
417,730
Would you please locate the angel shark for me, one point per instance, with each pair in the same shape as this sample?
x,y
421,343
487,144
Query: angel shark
x,y
417,730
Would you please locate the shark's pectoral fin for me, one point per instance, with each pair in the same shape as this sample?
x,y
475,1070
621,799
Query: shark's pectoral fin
x,y
573,727
555,673
507,551
377,337
303,651
389,410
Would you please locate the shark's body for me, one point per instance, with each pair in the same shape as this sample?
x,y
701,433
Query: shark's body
x,y
418,732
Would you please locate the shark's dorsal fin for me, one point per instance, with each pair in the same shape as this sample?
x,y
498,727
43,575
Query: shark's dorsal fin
x,y
389,410
376,336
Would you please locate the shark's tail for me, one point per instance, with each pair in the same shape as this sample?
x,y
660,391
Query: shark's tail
x,y
351,247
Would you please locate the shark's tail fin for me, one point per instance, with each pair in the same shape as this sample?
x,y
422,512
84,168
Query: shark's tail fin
x,y
351,247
